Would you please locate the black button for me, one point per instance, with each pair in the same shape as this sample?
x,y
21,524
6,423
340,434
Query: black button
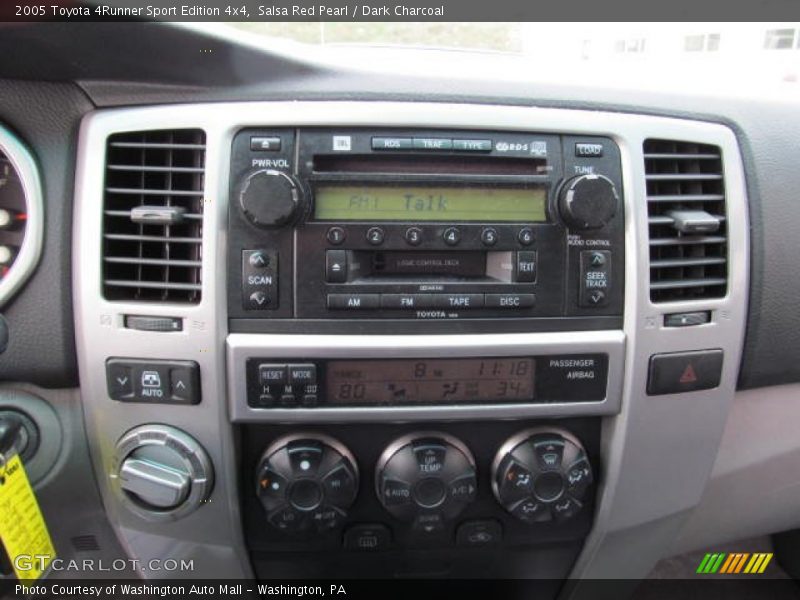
x,y
336,266
272,374
119,378
151,382
375,236
462,489
258,299
258,259
451,236
265,143
272,489
433,144
526,266
525,236
531,510
548,453
517,483
510,300
455,301
548,486
287,519
304,459
396,492
288,401
262,401
429,523
302,374
684,372
565,508
339,485
305,494
687,319
185,384
327,517
391,143
589,150
309,400
579,478
430,458
595,277
336,235
413,236
367,537
430,492
479,533
472,145
353,301
489,236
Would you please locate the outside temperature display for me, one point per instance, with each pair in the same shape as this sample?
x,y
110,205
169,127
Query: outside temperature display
x,y
430,381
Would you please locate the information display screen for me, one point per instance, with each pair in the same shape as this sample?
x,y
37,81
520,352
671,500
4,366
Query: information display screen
x,y
430,203
429,381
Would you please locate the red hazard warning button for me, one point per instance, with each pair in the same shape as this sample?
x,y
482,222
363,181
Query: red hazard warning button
x,y
684,372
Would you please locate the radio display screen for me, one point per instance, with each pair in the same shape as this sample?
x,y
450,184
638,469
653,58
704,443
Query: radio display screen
x,y
376,202
429,381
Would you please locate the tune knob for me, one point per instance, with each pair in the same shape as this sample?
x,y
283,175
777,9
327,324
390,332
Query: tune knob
x,y
269,198
426,479
588,201
306,481
541,474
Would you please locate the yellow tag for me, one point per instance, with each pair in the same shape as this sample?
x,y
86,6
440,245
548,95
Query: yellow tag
x,y
22,528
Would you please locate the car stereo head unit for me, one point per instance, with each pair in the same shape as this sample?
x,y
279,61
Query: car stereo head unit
x,y
335,225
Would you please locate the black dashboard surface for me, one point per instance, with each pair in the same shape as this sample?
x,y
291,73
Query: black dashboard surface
x,y
52,74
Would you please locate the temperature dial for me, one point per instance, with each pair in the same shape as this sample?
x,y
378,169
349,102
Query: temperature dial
x,y
305,482
542,475
426,479
269,198
588,201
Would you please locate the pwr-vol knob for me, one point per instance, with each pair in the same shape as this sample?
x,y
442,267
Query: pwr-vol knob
x,y
269,198
588,201
306,482
541,475
426,479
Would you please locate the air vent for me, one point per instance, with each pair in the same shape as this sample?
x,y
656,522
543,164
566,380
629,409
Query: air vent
x,y
153,216
686,209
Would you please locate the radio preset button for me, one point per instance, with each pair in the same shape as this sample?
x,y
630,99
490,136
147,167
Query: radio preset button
x,y
451,236
375,236
526,266
353,301
413,236
525,236
510,300
489,236
336,235
391,143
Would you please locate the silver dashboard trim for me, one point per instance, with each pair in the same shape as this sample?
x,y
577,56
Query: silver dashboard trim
x,y
242,346
657,452
31,249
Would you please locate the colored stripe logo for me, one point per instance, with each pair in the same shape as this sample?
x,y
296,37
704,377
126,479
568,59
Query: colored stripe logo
x,y
734,563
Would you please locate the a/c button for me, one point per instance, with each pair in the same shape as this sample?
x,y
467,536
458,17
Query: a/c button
x,y
679,372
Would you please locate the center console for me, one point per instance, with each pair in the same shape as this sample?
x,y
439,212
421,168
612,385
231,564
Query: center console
x,y
407,340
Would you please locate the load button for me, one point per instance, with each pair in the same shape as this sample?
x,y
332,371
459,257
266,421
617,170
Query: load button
x,y
679,372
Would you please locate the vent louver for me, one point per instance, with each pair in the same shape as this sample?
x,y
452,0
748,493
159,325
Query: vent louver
x,y
153,216
688,261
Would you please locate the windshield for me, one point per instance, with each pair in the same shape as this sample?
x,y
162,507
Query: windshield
x,y
644,54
